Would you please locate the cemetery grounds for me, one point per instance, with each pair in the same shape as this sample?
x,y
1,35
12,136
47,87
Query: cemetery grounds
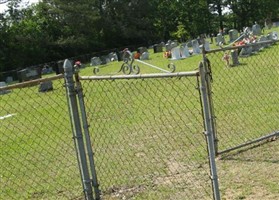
x,y
243,174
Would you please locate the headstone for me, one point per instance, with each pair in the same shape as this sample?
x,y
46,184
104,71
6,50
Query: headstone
x,y
189,44
141,50
9,79
246,51
104,60
174,44
196,48
184,51
29,74
256,29
220,39
144,56
206,46
275,35
95,61
234,56
168,47
233,34
175,53
45,86
113,56
3,84
157,48
263,39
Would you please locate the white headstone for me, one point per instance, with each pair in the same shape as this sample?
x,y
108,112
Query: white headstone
x,y
206,46
184,51
144,56
175,53
220,39
196,47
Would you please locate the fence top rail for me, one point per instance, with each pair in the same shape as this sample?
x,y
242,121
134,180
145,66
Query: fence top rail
x,y
241,46
31,82
140,76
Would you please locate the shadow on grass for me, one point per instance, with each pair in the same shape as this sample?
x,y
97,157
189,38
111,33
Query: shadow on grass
x,y
253,152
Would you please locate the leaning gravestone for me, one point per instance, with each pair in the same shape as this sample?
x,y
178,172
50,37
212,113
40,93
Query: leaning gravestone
x,y
196,47
45,86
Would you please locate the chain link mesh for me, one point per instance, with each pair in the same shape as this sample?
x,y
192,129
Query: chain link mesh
x,y
148,140
245,98
38,159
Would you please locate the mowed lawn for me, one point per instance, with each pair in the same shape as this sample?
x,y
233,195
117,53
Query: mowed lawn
x,y
147,134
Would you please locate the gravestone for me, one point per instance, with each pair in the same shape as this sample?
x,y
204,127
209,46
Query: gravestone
x,y
175,53
189,44
3,84
141,50
157,48
144,56
9,79
275,35
95,61
113,56
263,39
45,86
220,39
29,74
196,48
168,47
233,34
256,29
184,51
246,51
206,46
234,56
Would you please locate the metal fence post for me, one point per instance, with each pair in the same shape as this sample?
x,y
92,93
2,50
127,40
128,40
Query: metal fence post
x,y
87,138
77,130
209,79
208,132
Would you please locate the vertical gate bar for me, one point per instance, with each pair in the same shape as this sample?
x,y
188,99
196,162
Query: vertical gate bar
x,y
209,79
77,130
87,138
209,134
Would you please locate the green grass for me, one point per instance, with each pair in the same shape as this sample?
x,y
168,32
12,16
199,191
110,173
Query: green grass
x,y
147,134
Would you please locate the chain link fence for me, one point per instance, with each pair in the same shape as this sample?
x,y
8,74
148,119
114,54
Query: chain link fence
x,y
245,93
38,159
147,135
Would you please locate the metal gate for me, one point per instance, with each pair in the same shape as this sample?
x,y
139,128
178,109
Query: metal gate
x,y
151,135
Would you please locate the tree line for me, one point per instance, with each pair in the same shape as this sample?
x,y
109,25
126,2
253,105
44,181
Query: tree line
x,y
56,29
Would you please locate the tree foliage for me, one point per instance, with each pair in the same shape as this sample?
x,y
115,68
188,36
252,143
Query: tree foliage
x,y
56,29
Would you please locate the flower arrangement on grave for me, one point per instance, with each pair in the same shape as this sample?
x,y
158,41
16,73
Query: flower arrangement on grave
x,y
247,40
226,58
167,54
137,55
